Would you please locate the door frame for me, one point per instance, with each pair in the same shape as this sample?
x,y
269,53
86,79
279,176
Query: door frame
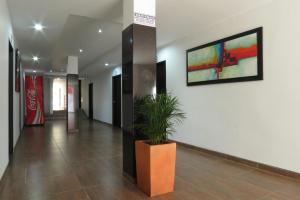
x,y
161,67
91,101
120,111
10,98
79,93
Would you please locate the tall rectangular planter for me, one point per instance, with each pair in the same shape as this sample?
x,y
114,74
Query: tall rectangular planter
x,y
155,165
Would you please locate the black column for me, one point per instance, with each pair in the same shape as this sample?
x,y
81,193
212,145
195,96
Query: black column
x,y
72,103
139,79
79,88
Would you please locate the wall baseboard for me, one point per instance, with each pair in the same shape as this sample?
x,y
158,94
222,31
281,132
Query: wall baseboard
x,y
84,114
129,178
102,122
250,163
3,179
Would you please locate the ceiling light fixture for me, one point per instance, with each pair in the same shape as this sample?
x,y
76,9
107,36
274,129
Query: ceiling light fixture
x,y
106,64
38,27
80,50
100,30
34,71
35,58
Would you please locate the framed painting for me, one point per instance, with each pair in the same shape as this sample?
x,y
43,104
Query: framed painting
x,y
17,70
232,59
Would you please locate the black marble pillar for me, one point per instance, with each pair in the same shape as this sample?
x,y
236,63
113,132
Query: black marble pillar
x,y
139,79
72,103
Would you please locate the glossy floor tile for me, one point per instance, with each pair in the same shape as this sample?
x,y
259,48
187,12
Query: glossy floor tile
x,y
48,164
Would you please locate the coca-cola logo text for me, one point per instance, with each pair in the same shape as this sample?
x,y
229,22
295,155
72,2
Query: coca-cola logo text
x,y
31,95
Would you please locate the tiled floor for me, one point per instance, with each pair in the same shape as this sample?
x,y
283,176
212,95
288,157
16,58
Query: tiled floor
x,y
49,164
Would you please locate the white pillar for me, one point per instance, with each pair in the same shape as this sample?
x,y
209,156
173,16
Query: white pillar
x,y
141,12
72,67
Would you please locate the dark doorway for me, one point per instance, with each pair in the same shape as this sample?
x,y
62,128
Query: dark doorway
x,y
10,99
116,100
79,95
91,108
161,77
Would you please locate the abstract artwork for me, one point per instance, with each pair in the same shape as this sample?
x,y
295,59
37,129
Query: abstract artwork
x,y
17,71
232,59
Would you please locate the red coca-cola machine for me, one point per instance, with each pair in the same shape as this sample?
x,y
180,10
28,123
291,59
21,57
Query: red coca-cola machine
x,y
34,100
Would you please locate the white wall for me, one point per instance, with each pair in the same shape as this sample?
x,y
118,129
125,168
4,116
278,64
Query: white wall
x,y
17,112
259,120
102,91
6,35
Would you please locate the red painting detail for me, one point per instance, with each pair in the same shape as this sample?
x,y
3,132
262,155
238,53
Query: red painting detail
x,y
230,58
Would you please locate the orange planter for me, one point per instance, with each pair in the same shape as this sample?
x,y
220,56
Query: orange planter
x,y
155,165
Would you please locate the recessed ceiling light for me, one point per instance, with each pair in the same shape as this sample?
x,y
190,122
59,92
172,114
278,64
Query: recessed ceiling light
x,y
100,30
80,50
35,58
38,27
106,64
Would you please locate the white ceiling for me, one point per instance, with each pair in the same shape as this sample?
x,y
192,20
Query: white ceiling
x,y
73,24
60,18
180,18
82,33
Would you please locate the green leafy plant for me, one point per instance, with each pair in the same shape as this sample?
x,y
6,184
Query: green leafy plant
x,y
156,116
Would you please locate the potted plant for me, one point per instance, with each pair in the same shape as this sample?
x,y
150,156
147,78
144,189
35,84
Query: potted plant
x,y
155,158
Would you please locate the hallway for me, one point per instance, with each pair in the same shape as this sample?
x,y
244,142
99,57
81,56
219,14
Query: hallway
x,y
49,164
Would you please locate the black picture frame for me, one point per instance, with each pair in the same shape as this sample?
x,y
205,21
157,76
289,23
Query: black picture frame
x,y
17,70
259,76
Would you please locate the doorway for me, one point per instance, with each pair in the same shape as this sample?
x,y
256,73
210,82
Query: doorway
x,y
10,99
59,96
116,100
79,88
161,86
91,108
